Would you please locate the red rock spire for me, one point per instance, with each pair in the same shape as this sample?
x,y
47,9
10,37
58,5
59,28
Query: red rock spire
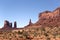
x,y
30,23
15,24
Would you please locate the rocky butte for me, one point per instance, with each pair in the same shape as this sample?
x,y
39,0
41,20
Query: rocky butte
x,y
8,25
46,18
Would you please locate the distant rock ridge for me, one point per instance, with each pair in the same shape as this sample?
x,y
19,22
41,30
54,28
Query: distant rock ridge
x,y
45,19
8,25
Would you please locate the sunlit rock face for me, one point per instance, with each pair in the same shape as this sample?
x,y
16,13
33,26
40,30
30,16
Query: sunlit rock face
x,y
48,18
49,14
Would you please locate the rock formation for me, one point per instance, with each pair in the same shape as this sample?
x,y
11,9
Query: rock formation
x,y
30,23
8,25
48,18
15,24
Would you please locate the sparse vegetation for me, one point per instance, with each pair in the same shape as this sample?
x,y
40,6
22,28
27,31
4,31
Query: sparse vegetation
x,y
44,33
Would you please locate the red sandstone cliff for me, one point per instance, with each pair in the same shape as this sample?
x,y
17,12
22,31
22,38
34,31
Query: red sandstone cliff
x,y
48,18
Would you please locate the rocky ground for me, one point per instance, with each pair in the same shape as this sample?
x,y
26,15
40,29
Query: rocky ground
x,y
43,33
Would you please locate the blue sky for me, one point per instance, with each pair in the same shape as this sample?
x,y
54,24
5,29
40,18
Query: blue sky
x,y
23,10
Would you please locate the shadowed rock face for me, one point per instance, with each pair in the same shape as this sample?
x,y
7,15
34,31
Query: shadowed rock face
x,y
8,25
48,18
15,25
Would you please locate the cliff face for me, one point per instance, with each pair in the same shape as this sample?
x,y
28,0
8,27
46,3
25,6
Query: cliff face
x,y
49,14
48,18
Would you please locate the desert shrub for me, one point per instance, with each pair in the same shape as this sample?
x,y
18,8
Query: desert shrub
x,y
20,32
